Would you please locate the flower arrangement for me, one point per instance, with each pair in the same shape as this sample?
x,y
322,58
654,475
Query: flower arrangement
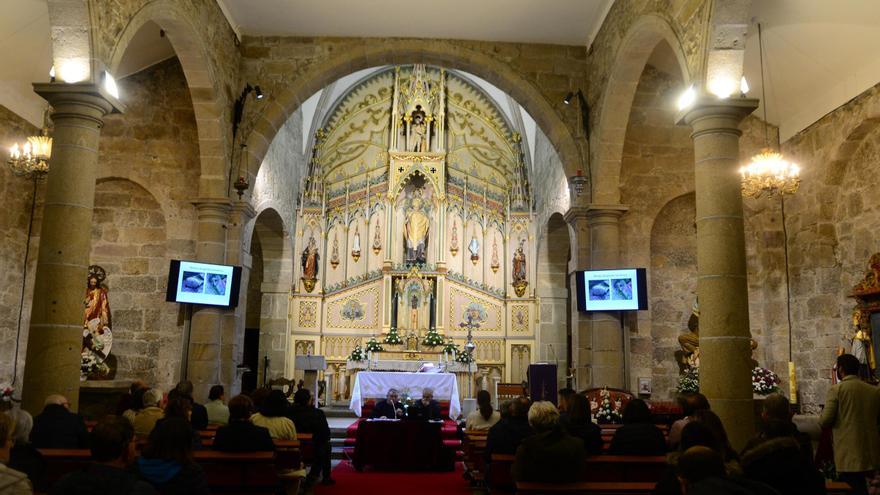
x,y
689,381
357,354
373,346
463,357
764,381
607,412
92,367
450,347
393,338
432,339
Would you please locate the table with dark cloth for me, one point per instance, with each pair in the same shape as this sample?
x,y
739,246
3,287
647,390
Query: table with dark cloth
x,y
401,445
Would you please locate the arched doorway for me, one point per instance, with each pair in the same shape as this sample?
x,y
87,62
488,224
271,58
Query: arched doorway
x,y
554,290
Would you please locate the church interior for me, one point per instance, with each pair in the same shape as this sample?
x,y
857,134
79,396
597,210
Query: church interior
x,y
394,185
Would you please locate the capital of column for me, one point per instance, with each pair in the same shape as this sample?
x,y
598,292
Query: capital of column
x,y
596,214
213,209
710,114
242,212
80,100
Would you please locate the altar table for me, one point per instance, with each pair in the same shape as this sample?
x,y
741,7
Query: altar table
x,y
375,384
401,445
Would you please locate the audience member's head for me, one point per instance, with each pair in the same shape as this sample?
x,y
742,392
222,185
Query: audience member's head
x,y
302,397
216,393
697,464
275,404
714,423
6,428
57,400
776,407
137,398
578,408
564,394
152,397
135,386
23,423
543,416
519,407
636,411
241,407
178,407
259,397
691,403
696,433
170,440
185,388
112,440
484,404
505,409
847,364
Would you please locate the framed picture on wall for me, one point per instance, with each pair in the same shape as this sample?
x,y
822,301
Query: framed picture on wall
x,y
644,386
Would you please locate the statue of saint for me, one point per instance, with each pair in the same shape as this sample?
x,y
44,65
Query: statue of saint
x,y
96,316
415,232
862,346
419,131
474,247
689,355
310,258
519,262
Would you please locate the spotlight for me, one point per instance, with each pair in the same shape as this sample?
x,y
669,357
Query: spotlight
x,y
568,97
258,93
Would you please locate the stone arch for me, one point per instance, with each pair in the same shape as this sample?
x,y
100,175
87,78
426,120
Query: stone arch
x,y
344,62
553,334
635,50
194,58
270,280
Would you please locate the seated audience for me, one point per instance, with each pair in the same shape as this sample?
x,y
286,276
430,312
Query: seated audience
x,y
126,401
180,407
579,423
259,397
506,435
551,455
309,419
218,412
272,416
690,403
776,422
638,435
564,394
779,463
12,482
113,450
240,435
58,428
389,408
199,417
146,418
695,433
485,416
24,456
425,408
166,462
712,420
137,404
701,472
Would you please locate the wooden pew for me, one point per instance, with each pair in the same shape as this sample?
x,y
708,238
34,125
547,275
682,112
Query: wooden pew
x,y
597,469
474,448
586,488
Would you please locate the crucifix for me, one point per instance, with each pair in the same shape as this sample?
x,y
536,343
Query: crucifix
x,y
469,347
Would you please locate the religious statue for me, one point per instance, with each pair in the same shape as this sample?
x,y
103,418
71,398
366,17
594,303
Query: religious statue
x,y
334,252
519,262
689,355
474,247
419,131
356,245
309,261
871,282
377,240
453,245
97,336
862,346
415,232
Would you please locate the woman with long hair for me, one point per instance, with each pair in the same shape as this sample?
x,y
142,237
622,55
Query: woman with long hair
x,y
485,415
273,417
167,463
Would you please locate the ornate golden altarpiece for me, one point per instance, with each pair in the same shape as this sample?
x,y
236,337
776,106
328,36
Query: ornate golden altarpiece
x,y
416,213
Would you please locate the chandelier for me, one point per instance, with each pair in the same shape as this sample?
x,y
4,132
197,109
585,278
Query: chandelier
x,y
769,172
31,158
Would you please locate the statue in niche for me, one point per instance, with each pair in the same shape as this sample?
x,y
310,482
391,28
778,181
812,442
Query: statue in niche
x,y
309,262
418,131
689,355
474,247
97,336
519,262
453,248
862,346
356,245
415,232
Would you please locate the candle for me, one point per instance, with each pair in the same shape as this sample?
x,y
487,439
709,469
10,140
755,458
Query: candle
x,y
792,382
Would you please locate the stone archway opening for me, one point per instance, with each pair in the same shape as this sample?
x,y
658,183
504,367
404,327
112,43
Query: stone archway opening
x,y
554,288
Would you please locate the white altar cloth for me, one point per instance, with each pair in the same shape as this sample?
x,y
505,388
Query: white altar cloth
x,y
406,365
372,384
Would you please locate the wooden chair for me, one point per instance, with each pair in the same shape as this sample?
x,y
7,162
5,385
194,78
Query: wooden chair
x,y
285,385
508,391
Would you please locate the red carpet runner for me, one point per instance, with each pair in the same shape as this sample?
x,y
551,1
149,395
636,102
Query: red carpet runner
x,y
349,481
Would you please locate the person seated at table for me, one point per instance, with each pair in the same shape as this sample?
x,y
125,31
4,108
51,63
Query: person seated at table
x,y
425,408
578,422
113,449
638,435
389,408
167,461
272,416
485,416
240,434
551,455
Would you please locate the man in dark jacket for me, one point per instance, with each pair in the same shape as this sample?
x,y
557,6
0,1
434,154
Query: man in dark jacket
x,y
426,407
199,418
309,419
776,422
240,435
58,428
113,450
551,455
389,408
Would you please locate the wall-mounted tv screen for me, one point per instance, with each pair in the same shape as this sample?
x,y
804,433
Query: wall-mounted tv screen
x,y
194,282
624,289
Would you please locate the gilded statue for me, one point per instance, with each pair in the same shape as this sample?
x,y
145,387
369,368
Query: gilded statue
x,y
519,262
309,261
689,355
415,232
871,282
862,345
97,338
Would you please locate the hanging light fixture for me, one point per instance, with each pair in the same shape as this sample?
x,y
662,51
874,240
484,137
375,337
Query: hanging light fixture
x,y
241,184
768,171
31,158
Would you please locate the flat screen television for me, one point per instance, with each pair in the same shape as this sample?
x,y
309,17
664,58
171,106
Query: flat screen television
x,y
194,282
623,289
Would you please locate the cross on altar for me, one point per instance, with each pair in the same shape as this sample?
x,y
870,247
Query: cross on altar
x,y
469,346
433,170
400,170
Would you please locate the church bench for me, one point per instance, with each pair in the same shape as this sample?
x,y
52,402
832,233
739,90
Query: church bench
x,y
837,488
601,468
474,448
586,488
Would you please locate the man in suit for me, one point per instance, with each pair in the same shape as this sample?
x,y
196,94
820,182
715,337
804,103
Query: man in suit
x,y
389,408
426,407
852,410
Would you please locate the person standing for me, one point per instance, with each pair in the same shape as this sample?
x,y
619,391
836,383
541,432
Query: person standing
x,y
309,419
852,411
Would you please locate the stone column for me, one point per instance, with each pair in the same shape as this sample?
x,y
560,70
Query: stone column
x,y
205,338
722,289
232,331
55,337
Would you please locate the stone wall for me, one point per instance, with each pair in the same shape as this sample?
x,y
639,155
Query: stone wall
x,y
149,162
549,183
17,194
552,292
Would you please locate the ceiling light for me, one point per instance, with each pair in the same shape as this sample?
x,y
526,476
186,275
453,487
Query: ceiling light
x,y
258,93
769,172
687,98
568,97
110,85
31,158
